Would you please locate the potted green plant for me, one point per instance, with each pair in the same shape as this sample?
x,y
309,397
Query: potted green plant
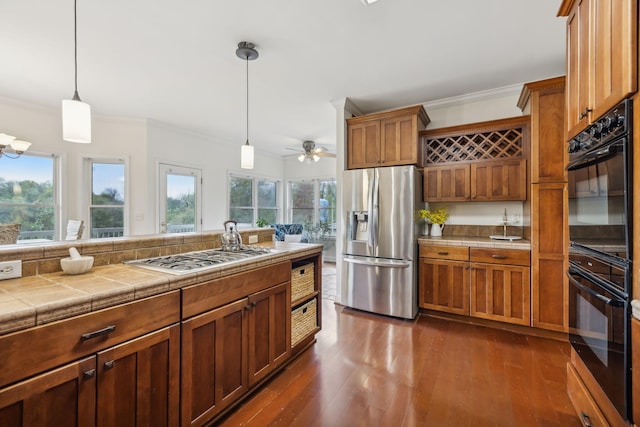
x,y
261,222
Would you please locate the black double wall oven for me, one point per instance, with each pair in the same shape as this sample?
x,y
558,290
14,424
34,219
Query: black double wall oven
x,y
601,231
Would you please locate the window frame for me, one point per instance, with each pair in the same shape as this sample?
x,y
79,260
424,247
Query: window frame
x,y
56,190
316,199
89,161
255,179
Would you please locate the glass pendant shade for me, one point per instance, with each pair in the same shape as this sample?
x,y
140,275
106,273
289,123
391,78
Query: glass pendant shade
x,y
246,156
19,146
76,121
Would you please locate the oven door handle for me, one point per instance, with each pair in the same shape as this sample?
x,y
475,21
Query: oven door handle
x,y
595,157
608,301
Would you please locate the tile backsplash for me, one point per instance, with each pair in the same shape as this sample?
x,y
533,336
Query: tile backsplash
x,y
45,258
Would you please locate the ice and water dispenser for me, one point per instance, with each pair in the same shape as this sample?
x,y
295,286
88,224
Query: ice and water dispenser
x,y
358,225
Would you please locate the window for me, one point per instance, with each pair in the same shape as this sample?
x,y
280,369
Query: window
x,y
28,194
313,204
252,198
180,199
106,209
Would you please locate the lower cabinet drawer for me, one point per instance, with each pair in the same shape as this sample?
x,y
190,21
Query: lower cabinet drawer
x,y
304,321
450,253
501,256
583,403
25,353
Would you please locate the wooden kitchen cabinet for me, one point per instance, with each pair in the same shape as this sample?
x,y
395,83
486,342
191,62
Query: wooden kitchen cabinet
x,y
444,278
500,285
544,102
499,180
481,181
269,330
601,57
235,333
444,286
388,138
451,183
214,361
134,383
138,381
62,397
549,240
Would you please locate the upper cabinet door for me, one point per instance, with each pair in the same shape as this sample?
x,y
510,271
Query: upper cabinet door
x,y
398,141
614,44
578,67
450,183
501,180
601,57
363,145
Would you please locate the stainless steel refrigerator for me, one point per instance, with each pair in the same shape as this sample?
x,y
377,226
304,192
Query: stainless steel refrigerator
x,y
380,241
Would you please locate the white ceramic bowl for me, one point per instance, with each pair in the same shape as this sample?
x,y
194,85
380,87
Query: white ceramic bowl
x,y
76,266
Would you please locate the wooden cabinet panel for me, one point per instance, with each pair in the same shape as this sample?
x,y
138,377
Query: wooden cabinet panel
x,y
203,297
398,142
214,361
583,403
57,343
138,381
614,43
503,180
388,138
444,286
635,367
549,239
500,292
601,57
449,253
500,256
269,330
578,75
447,183
363,145
64,397
544,101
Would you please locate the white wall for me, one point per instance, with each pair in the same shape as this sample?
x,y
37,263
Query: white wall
x,y
215,158
142,144
112,138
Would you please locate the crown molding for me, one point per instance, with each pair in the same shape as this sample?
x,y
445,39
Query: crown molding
x,y
485,95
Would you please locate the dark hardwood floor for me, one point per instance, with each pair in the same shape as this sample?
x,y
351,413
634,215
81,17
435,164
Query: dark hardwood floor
x,y
368,370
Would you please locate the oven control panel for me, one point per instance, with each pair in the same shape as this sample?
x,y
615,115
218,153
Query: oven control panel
x,y
614,123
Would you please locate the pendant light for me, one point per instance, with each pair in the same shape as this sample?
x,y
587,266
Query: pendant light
x,y
76,115
247,52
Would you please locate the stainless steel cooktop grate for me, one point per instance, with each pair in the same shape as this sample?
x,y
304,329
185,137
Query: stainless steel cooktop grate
x,y
198,261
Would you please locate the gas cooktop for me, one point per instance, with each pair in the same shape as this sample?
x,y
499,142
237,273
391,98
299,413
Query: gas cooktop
x,y
192,262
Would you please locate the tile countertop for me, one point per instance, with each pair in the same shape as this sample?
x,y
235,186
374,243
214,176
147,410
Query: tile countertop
x,y
36,300
475,242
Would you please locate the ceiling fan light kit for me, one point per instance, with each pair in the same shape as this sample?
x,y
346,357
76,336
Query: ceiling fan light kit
x,y
247,51
76,115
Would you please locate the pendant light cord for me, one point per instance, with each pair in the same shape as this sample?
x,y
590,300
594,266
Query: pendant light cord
x,y
76,97
247,61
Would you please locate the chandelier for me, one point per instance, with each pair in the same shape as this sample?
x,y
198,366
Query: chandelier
x,y
17,147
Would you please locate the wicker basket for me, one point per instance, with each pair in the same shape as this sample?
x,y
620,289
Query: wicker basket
x,y
9,233
302,280
304,321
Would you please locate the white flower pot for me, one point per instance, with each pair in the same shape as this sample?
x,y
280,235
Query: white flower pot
x,y
436,230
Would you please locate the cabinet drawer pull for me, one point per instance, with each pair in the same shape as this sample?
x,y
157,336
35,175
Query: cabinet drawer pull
x,y
98,333
89,374
498,257
443,253
110,364
586,420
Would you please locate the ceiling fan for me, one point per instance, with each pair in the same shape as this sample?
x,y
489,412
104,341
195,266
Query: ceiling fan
x,y
311,153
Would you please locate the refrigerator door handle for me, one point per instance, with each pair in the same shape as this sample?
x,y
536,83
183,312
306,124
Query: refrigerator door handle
x,y
373,209
378,262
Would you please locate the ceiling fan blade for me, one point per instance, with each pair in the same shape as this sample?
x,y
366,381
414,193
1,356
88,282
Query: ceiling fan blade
x,y
322,154
294,149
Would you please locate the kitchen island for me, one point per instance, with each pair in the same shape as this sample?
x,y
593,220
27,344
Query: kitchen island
x,y
166,349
